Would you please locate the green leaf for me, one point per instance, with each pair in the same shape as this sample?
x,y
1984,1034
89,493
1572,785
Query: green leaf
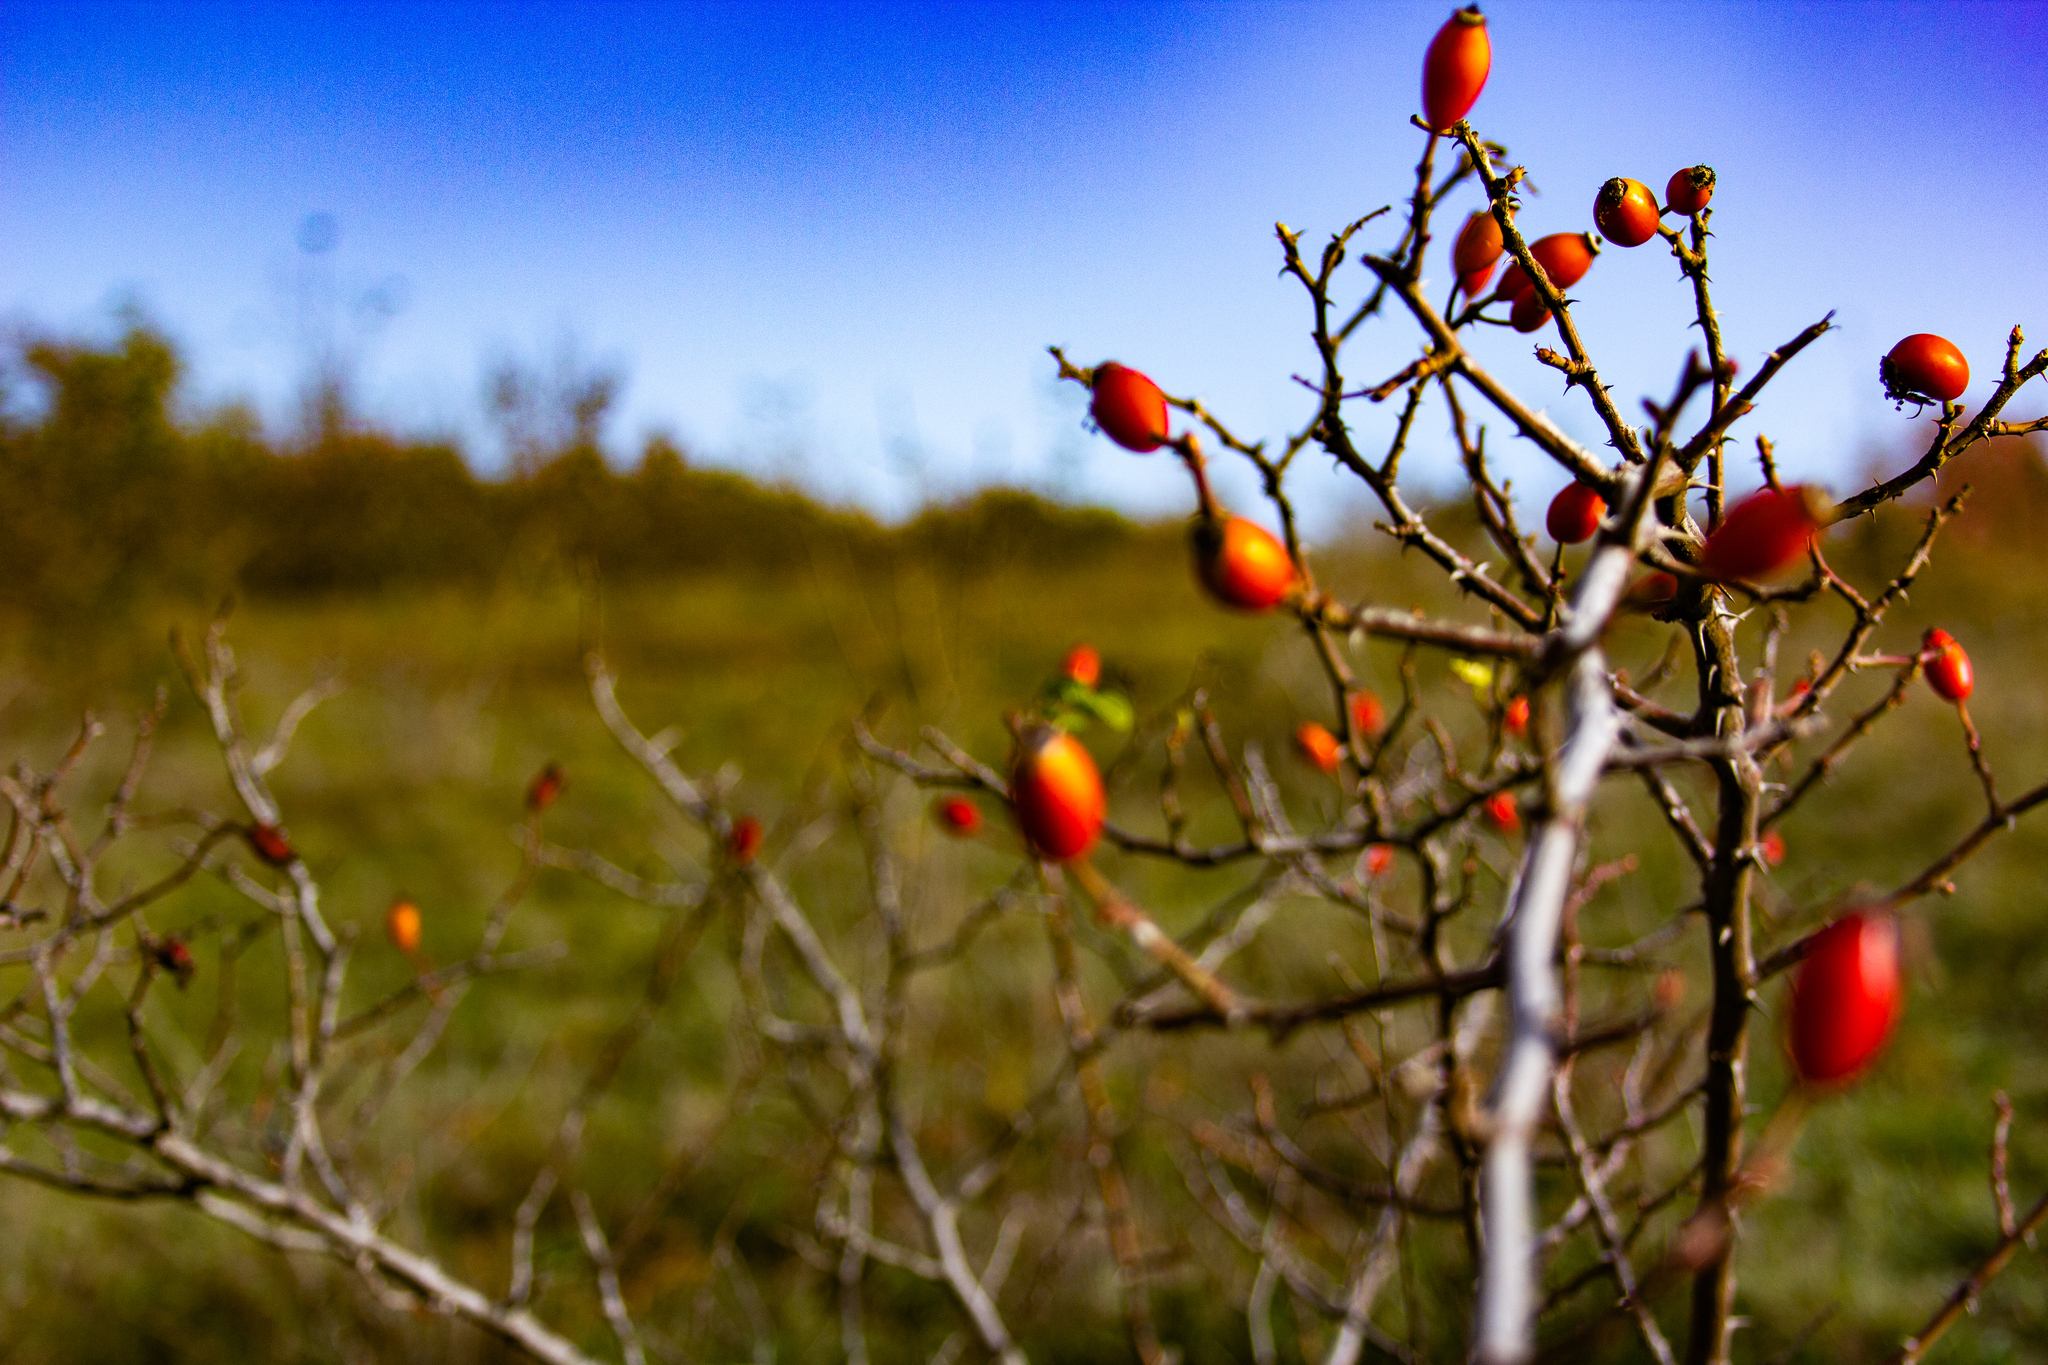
x,y
1477,675
1111,708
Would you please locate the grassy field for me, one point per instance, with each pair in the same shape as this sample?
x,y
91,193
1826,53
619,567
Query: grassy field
x,y
410,781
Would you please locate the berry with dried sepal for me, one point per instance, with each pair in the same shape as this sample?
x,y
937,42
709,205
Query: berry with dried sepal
x,y
1503,812
1625,212
1241,563
402,924
1948,667
546,786
1765,534
1056,792
1845,998
1574,513
1368,714
957,816
744,841
1454,69
1083,665
1318,746
1689,189
270,844
1477,251
1924,367
1129,407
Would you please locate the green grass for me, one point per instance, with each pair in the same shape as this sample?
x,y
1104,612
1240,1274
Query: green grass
x,y
410,781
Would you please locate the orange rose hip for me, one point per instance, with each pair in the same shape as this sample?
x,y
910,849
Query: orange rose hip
x,y
1129,407
1625,212
402,923
1318,746
1454,69
1689,189
1056,792
1241,563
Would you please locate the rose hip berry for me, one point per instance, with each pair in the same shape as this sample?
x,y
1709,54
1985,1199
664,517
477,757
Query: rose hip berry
x,y
546,786
1528,314
1368,714
1924,366
1564,256
1318,746
1845,998
1056,792
1625,211
1454,69
745,840
1130,408
1765,533
1241,563
957,816
1503,812
402,923
1651,590
1477,250
270,844
1772,847
1689,189
1083,665
1948,667
1575,513
1515,720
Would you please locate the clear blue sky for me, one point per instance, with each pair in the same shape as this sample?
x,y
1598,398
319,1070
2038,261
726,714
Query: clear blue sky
x,y
816,238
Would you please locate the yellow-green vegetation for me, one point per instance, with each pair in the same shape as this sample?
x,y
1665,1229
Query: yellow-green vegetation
x,y
463,681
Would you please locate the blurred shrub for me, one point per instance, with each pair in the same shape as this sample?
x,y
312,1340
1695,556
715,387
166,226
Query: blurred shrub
x,y
110,501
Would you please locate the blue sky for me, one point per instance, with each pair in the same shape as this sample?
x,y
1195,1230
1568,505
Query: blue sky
x,y
830,243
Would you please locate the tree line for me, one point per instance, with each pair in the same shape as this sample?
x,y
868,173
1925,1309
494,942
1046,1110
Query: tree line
x,y
111,496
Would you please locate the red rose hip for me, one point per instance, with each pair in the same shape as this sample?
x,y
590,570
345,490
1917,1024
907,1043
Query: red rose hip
x,y
1368,714
270,844
1318,746
1948,667
1503,812
1528,314
1454,69
1241,563
1056,792
1765,533
1130,408
1845,998
1625,211
1651,590
1564,256
744,841
1515,720
1924,366
1772,847
402,923
1689,189
957,816
546,786
1575,514
1477,250
1083,665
